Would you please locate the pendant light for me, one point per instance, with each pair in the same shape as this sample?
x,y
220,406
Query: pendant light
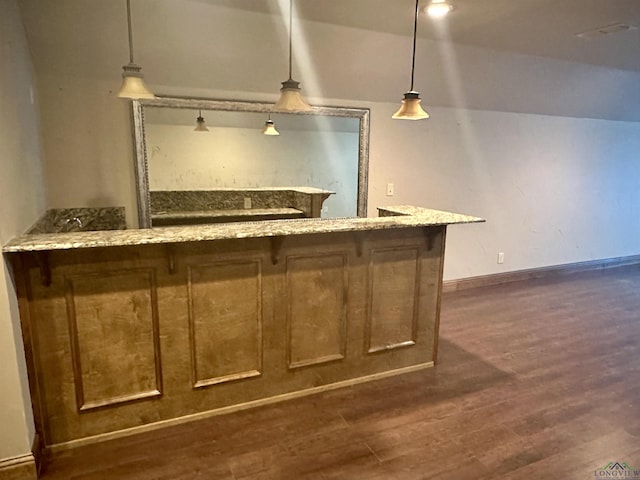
x,y
411,108
132,78
270,128
290,98
200,125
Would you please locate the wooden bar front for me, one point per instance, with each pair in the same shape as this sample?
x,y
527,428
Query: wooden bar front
x,y
124,337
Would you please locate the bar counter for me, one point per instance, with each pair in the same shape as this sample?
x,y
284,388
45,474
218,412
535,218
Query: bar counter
x,y
130,330
402,216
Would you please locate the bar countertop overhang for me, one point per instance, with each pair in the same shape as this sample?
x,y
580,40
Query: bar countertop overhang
x,y
402,216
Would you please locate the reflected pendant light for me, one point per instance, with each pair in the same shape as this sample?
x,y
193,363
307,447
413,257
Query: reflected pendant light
x,y
200,125
132,78
270,128
411,108
290,98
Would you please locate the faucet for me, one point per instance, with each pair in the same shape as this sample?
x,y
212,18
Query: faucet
x,y
68,227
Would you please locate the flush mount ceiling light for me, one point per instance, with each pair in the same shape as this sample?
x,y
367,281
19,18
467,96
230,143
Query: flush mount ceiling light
x,y
290,98
438,8
411,108
270,128
200,125
132,78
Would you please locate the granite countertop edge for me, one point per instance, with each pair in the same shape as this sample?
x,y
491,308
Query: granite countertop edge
x,y
403,216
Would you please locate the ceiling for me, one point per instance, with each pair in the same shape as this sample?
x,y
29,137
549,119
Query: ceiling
x,y
520,56
545,28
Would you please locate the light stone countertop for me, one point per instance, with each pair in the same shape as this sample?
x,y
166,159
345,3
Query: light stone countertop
x,y
403,216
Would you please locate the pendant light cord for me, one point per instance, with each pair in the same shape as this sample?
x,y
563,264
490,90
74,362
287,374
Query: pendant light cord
x,y
130,31
290,35
415,32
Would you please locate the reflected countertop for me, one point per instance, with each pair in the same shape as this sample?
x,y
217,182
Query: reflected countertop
x,y
301,189
266,212
403,216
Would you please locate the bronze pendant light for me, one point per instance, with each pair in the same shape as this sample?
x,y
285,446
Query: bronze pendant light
x,y
411,108
290,97
132,78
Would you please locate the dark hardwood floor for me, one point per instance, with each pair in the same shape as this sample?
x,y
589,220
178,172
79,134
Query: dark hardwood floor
x,y
536,380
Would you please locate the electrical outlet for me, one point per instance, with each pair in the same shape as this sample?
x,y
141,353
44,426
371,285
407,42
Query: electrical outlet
x,y
500,257
389,189
247,202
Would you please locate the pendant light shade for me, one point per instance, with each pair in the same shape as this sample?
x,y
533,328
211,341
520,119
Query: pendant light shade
x,y
411,108
133,83
290,97
270,128
200,125
132,78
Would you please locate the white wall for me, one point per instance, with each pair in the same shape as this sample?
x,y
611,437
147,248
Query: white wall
x,y
224,157
87,142
21,184
554,190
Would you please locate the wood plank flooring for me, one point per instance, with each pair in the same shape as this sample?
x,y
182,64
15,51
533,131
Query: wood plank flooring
x,y
536,380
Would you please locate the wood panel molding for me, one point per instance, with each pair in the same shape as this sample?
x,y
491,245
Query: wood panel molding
x,y
543,272
19,468
115,340
317,291
30,352
36,451
225,321
393,298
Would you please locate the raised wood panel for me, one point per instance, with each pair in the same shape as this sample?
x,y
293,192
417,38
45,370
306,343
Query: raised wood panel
x,y
394,289
317,308
113,328
225,317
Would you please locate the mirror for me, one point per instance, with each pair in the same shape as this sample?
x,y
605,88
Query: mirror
x,y
317,166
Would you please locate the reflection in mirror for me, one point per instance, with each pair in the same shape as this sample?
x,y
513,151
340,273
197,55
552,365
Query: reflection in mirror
x,y
317,166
